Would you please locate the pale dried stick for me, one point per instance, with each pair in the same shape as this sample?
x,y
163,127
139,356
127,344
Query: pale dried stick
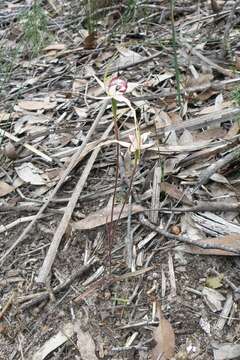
x,y
27,146
52,251
74,161
4,228
205,175
156,189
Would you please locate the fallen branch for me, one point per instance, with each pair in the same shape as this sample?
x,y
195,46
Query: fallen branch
x,y
202,206
22,220
185,239
45,295
52,251
216,166
74,161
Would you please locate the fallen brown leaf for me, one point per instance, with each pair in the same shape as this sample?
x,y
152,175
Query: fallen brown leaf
x,y
90,41
164,337
103,216
175,193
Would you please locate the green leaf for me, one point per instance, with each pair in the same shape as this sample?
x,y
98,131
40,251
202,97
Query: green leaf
x,y
214,282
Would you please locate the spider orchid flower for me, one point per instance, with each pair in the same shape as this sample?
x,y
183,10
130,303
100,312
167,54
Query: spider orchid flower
x,y
117,86
115,90
144,143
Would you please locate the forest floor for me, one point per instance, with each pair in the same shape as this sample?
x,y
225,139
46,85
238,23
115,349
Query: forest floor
x,y
119,180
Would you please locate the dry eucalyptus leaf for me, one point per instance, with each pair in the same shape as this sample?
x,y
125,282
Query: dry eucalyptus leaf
x,y
5,188
226,351
127,57
175,193
30,174
164,337
30,123
33,105
103,216
81,112
85,343
157,79
4,116
219,178
214,108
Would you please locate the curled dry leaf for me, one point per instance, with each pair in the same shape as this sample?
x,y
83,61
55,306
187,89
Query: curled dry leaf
x,y
213,299
164,337
90,41
10,151
126,57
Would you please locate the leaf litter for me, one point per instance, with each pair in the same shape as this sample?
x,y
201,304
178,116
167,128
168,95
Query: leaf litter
x,y
115,205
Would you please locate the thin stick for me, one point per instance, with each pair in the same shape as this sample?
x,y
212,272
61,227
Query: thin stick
x,y
127,66
216,166
52,251
74,161
185,239
27,146
7,305
22,220
203,206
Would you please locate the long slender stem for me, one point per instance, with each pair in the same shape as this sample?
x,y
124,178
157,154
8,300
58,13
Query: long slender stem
x,y
111,231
